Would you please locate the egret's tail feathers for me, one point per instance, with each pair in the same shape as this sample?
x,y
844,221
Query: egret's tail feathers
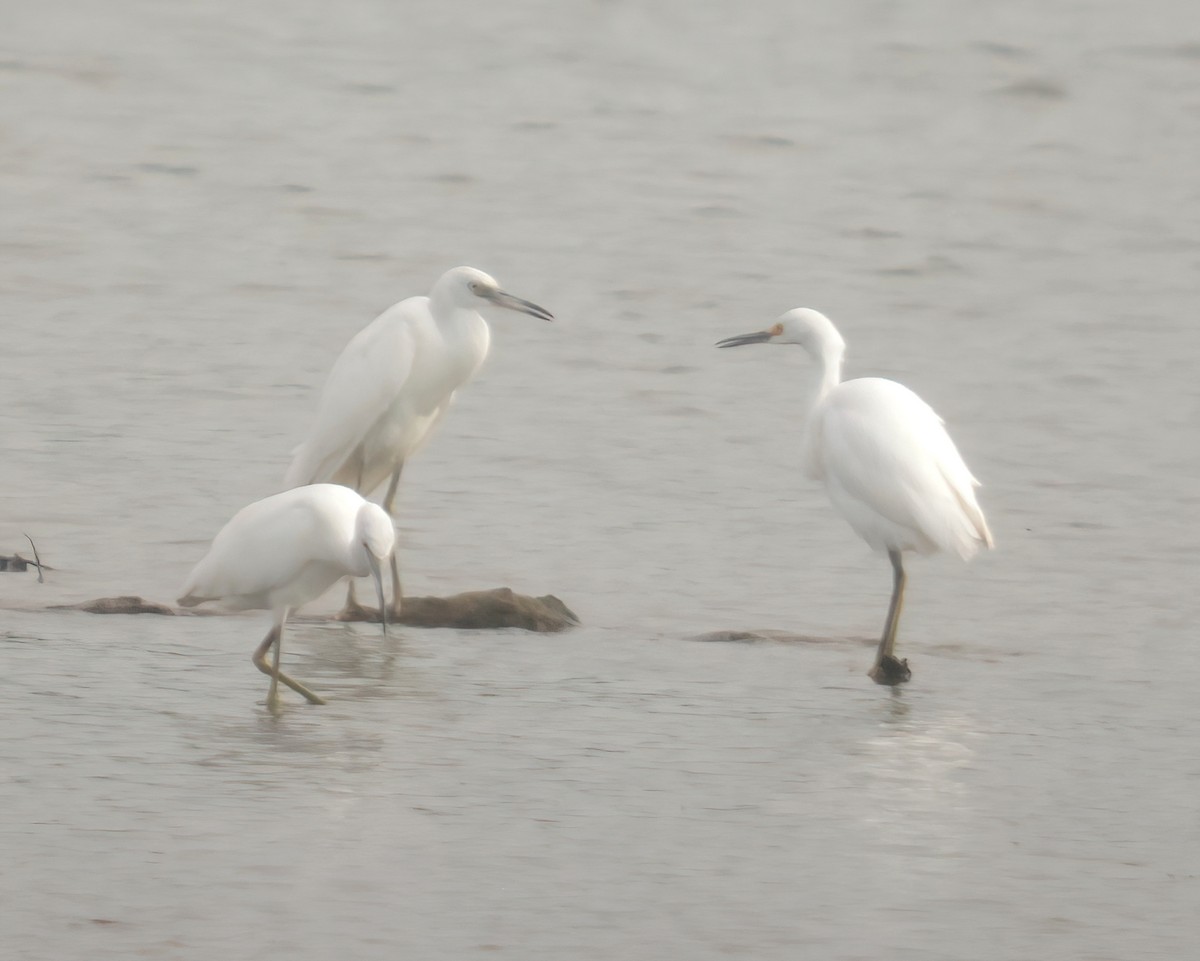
x,y
985,535
972,530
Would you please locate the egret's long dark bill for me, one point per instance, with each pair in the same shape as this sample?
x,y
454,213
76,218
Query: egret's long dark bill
x,y
504,299
741,340
377,573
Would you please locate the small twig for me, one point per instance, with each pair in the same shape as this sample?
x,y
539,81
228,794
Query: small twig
x,y
37,560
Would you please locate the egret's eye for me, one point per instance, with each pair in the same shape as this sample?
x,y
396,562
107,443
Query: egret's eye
x,y
474,285
776,330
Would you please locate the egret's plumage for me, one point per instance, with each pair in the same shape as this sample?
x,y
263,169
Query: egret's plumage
x,y
360,414
886,460
392,385
892,470
285,550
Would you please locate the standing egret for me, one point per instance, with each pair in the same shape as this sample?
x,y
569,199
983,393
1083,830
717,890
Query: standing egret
x,y
888,465
393,384
283,551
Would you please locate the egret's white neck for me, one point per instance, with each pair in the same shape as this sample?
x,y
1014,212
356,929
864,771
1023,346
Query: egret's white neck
x,y
355,559
447,306
465,335
458,322
828,350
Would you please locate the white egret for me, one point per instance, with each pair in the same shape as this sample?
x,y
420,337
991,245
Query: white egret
x,y
887,462
286,550
392,385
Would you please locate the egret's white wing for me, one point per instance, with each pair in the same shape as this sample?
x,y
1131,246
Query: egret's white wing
x,y
268,544
265,544
365,379
893,470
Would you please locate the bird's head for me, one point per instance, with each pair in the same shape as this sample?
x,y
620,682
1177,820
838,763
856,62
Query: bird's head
x,y
809,328
468,286
374,530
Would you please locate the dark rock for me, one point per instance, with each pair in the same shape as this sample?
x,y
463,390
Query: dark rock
x,y
129,604
476,610
489,609
484,610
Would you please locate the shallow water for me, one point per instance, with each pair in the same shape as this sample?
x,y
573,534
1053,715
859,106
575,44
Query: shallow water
x,y
996,204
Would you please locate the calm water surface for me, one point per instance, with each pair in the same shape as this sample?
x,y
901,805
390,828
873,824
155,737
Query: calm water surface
x,y
998,205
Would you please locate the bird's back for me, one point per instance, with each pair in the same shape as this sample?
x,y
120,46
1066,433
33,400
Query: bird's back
x,y
277,550
361,388
387,393
892,470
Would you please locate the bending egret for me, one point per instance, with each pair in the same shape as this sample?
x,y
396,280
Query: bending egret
x,y
887,462
285,550
393,384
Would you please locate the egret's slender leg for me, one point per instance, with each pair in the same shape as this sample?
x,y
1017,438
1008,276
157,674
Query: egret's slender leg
x,y
887,668
388,502
273,691
397,594
275,637
390,497
352,610
887,645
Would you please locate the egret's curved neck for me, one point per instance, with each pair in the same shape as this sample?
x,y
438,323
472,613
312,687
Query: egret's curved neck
x,y
465,335
454,319
354,556
829,352
828,349
444,306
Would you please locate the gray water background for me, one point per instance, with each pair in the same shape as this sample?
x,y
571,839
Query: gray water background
x,y
998,203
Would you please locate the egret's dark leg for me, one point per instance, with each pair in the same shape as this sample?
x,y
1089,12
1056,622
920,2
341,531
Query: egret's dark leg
x,y
397,594
887,668
899,580
275,637
388,502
